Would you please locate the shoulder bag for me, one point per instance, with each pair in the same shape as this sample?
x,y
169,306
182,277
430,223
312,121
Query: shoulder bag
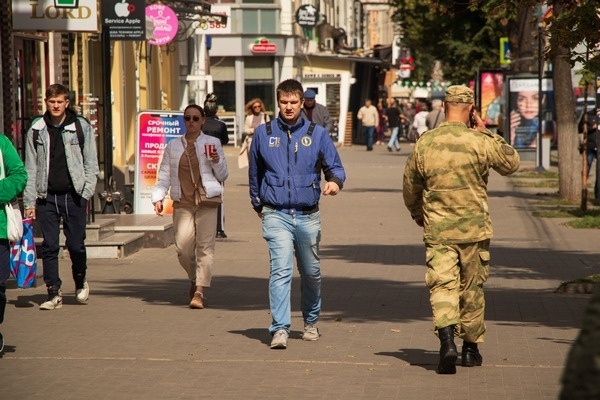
x,y
14,219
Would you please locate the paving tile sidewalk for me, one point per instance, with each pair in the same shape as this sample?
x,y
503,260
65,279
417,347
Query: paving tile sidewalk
x,y
137,339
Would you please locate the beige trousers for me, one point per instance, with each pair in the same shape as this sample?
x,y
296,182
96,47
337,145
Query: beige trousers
x,y
195,230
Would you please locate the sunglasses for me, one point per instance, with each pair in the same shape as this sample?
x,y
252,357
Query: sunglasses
x,y
256,107
189,118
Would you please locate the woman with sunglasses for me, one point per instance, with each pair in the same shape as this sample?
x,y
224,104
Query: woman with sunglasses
x,y
255,116
193,168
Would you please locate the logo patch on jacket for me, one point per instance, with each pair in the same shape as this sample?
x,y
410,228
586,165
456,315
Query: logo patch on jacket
x,y
274,141
306,141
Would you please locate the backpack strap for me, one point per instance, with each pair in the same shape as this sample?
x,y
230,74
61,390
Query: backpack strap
x,y
269,128
311,128
78,130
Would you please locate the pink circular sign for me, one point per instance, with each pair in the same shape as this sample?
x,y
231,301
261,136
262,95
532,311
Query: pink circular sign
x,y
161,24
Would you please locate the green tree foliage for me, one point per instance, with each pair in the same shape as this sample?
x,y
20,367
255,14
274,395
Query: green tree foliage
x,y
462,38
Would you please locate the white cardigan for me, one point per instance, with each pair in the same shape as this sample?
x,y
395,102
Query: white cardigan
x,y
212,174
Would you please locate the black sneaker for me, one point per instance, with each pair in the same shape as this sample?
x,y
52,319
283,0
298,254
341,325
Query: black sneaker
x,y
221,235
1,342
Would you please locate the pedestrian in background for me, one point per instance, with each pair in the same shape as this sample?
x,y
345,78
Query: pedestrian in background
x,y
369,116
255,116
315,112
445,190
11,185
285,188
193,177
62,170
436,115
420,120
214,127
394,117
381,127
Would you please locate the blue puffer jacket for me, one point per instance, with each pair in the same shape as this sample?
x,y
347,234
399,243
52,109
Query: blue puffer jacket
x,y
285,166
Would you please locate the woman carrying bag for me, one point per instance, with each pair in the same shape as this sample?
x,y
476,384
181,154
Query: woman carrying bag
x,y
12,183
192,169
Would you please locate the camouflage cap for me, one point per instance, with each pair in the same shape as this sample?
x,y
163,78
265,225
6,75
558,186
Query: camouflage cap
x,y
459,94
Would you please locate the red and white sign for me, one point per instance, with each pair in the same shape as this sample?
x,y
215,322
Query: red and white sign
x,y
263,46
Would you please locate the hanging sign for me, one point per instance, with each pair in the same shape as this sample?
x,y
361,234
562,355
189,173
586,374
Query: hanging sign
x,y
307,16
161,24
124,19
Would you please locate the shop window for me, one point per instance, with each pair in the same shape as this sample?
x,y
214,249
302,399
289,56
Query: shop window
x,y
250,21
263,89
256,21
225,92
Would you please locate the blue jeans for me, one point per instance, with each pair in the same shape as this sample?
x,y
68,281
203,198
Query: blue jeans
x,y
394,139
369,132
288,235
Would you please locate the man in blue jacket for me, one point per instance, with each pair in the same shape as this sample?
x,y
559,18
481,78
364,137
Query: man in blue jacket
x,y
286,158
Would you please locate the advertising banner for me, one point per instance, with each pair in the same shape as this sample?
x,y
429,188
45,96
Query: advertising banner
x,y
124,19
44,15
490,99
154,130
524,97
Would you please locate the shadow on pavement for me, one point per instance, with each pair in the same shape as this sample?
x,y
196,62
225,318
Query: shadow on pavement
x,y
417,357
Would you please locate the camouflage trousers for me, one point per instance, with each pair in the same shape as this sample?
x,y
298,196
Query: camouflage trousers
x,y
455,277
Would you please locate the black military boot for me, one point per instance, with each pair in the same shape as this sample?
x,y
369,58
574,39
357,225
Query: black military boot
x,y
470,355
448,353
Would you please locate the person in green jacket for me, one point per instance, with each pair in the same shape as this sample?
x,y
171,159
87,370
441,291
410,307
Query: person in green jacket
x,y
13,183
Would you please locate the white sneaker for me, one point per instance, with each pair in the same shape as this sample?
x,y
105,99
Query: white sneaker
x,y
311,332
54,301
82,294
279,339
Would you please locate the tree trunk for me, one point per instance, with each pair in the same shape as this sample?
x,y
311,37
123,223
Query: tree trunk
x,y
522,40
569,158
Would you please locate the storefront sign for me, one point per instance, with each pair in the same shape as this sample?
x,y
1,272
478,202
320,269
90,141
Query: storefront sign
x,y
161,24
307,16
215,26
263,46
124,19
154,130
331,78
45,15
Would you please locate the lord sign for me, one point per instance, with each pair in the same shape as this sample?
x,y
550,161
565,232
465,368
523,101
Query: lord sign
x,y
55,15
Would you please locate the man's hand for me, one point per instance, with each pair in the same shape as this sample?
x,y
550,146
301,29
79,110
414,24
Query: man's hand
x,y
30,213
331,188
480,125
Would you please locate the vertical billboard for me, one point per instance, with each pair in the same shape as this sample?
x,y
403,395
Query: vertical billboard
x,y
490,96
154,130
524,105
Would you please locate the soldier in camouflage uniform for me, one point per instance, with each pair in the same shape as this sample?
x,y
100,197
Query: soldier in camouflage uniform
x,y
445,190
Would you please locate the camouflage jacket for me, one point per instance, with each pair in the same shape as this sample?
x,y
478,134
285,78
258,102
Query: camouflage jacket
x,y
445,181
